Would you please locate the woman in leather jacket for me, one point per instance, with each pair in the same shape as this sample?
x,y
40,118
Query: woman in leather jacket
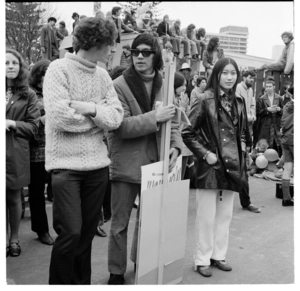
x,y
218,125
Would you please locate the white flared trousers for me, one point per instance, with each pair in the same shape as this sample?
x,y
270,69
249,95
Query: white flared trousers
x,y
212,225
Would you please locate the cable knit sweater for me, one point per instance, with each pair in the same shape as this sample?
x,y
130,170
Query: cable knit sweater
x,y
74,141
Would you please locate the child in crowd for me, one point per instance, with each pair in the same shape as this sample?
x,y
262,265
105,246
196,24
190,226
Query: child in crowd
x,y
260,148
126,56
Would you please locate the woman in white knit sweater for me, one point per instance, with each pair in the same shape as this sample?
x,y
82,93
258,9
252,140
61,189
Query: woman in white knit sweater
x,y
80,103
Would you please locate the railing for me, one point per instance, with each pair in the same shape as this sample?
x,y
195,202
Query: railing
x,y
279,77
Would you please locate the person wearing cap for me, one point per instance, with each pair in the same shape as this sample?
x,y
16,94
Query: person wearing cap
x,y
176,33
144,25
75,16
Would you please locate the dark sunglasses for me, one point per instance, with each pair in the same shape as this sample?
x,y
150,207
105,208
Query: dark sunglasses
x,y
145,54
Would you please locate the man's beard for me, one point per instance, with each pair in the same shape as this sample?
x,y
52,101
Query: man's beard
x,y
249,85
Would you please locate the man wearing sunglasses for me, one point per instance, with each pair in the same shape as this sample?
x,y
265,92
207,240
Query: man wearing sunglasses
x,y
136,143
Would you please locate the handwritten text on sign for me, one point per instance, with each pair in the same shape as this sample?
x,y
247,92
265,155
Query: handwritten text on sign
x,y
152,175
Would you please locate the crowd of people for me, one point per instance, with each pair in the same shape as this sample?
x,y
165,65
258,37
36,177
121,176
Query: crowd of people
x,y
86,133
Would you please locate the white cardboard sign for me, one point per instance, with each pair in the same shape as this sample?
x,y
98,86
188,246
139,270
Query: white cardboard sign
x,y
152,174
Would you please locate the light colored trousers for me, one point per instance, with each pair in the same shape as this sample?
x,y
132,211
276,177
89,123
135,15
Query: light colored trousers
x,y
213,219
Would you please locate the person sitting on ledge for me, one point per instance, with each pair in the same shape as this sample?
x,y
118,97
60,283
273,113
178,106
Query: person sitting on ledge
x,y
286,60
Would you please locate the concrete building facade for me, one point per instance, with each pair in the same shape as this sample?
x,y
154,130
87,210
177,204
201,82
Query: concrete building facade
x,y
232,38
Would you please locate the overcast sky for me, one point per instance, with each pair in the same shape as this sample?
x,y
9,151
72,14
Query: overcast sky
x,y
265,20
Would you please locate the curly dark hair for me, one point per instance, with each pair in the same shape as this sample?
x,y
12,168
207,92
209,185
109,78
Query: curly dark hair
x,y
213,42
152,41
94,32
37,72
288,34
20,83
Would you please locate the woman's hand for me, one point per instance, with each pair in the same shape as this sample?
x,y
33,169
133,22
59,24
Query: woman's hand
x,y
211,158
84,108
10,124
174,152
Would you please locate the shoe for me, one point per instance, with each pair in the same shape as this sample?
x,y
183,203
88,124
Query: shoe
x,y
7,251
115,279
288,202
45,238
204,270
220,265
252,208
101,232
14,249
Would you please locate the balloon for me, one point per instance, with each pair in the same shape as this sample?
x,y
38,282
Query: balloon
x,y
271,155
261,162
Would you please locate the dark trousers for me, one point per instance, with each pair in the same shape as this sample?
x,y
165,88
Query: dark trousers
x,y
78,197
106,201
122,199
244,194
39,221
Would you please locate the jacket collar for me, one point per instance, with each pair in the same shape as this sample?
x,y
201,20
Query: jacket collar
x,y
138,88
267,101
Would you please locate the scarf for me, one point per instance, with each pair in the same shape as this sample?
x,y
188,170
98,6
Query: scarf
x,y
138,88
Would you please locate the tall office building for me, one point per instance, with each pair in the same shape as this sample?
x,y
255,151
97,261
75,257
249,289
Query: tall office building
x,y
232,38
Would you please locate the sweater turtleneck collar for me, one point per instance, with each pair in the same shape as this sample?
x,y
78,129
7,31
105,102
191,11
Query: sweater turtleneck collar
x,y
146,78
82,63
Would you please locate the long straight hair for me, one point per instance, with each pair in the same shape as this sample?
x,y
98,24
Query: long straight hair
x,y
213,82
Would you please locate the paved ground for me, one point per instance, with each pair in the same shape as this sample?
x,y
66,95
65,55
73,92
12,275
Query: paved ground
x,y
261,246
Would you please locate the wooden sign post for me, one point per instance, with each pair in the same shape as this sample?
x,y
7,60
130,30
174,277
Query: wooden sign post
x,y
163,213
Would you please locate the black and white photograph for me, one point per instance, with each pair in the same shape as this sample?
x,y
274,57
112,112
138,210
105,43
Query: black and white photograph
x,y
150,143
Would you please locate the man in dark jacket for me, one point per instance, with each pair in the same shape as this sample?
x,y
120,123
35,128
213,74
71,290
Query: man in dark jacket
x,y
49,42
136,143
287,141
269,112
166,35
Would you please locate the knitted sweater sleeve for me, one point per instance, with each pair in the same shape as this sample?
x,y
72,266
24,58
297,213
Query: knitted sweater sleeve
x,y
109,111
57,99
